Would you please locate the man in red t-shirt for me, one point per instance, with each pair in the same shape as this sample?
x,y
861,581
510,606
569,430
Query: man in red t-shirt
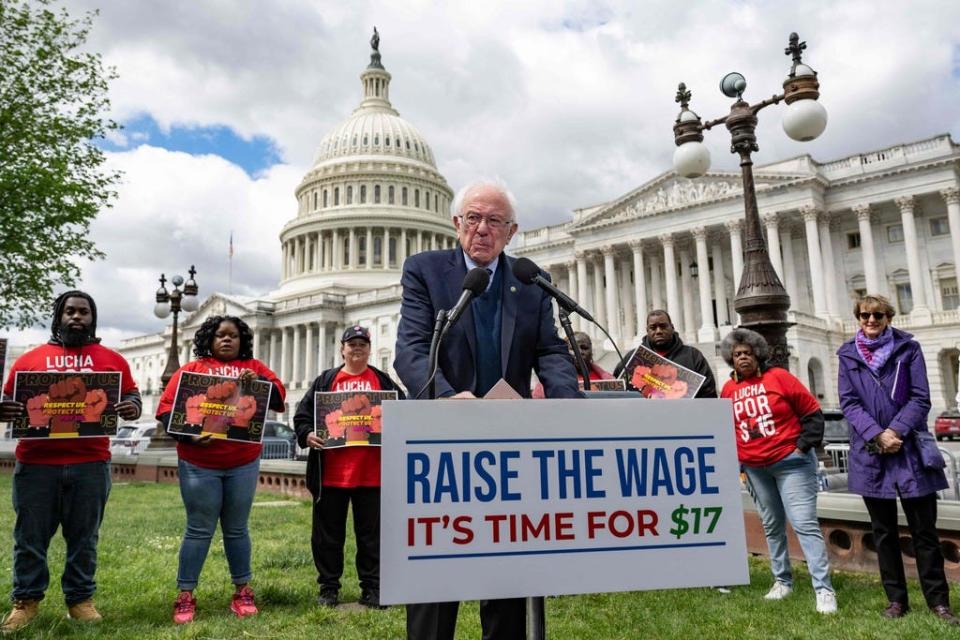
x,y
348,475
62,482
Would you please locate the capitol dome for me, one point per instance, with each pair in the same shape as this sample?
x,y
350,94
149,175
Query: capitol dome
x,y
372,197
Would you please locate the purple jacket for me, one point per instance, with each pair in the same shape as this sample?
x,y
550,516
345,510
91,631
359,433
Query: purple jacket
x,y
897,397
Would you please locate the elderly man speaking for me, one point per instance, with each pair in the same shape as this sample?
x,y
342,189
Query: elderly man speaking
x,y
507,332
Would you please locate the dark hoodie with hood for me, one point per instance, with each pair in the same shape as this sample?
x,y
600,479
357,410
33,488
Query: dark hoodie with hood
x,y
683,355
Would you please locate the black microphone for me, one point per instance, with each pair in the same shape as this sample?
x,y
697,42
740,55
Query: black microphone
x,y
528,272
474,284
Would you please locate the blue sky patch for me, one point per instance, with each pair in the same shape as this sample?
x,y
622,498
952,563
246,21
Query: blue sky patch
x,y
253,155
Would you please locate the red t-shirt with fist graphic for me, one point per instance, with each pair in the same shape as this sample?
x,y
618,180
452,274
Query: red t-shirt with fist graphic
x,y
55,357
766,415
348,467
219,454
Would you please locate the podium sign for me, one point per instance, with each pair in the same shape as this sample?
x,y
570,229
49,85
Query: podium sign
x,y
502,498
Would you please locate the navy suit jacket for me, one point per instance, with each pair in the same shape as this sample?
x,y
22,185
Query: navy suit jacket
x,y
432,281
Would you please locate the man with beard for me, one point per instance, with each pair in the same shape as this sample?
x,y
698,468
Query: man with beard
x,y
662,338
62,482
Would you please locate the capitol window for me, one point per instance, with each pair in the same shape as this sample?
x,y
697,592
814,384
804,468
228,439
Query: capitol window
x,y
950,293
366,140
354,140
390,194
336,196
314,199
325,194
436,203
408,144
853,240
376,140
376,194
426,200
403,196
387,141
378,250
416,197
349,195
363,194
904,298
939,227
895,234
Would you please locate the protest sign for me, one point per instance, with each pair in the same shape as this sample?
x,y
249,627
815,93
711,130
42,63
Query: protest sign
x,y
349,418
502,499
220,406
66,404
657,377
611,384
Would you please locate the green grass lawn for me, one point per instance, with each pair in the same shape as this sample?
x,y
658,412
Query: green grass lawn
x,y
137,584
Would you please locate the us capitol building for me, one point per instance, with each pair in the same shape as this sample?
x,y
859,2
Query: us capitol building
x,y
884,221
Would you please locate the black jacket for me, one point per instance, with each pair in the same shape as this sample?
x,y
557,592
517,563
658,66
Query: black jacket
x,y
303,419
684,356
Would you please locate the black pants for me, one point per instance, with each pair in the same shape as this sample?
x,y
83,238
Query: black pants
x,y
330,532
922,519
499,620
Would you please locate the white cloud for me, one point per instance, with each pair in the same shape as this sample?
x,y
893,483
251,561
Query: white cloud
x,y
571,103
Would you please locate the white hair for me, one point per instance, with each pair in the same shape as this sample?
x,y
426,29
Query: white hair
x,y
497,184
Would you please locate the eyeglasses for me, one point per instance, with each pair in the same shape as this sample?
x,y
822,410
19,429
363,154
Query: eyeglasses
x,y
473,220
876,315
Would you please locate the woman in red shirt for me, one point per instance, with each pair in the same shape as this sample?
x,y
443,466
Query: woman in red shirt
x,y
778,424
218,477
348,475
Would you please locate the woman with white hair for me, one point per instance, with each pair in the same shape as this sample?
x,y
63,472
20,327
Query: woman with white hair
x,y
778,424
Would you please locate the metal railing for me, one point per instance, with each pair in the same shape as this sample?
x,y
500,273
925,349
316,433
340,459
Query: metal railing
x,y
840,455
276,450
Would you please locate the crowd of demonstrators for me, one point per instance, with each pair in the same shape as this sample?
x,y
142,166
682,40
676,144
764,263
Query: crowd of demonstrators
x,y
218,477
507,332
778,424
62,482
340,477
885,397
663,339
586,350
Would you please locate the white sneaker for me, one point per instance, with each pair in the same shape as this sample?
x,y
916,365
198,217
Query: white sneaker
x,y
779,591
826,602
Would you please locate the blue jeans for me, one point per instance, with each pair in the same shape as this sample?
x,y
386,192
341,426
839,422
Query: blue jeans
x,y
787,489
210,495
48,496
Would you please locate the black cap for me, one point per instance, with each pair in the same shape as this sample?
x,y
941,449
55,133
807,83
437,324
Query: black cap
x,y
356,331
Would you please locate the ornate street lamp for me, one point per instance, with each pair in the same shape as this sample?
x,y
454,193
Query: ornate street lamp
x,y
761,300
175,301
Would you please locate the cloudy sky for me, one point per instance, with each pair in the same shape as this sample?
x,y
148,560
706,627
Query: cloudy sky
x,y
224,103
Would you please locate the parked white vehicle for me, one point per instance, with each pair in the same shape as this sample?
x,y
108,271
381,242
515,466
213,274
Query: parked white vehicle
x,y
133,439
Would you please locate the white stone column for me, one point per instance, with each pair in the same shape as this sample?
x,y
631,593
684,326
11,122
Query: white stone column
x,y
322,357
337,250
256,344
707,332
419,241
402,247
572,279
283,260
720,285
284,373
656,287
670,274
318,248
639,286
350,261
735,227
686,296
275,352
810,215
385,249
310,366
870,273
600,312
830,272
626,293
369,262
920,306
789,266
773,242
581,257
951,196
611,291
296,374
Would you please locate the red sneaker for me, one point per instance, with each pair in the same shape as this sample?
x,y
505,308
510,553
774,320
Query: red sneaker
x,y
242,603
184,608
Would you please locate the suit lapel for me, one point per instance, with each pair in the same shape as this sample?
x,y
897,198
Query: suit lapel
x,y
456,271
508,306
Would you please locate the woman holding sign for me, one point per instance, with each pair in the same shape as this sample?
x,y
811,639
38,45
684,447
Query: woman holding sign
x,y
218,476
778,424
348,474
886,398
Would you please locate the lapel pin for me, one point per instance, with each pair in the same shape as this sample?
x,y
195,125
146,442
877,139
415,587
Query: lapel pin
x,y
513,289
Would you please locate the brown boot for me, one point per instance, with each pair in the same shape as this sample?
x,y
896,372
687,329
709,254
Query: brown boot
x,y
20,616
84,612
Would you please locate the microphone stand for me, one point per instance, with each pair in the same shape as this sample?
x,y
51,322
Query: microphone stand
x,y
574,347
433,359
